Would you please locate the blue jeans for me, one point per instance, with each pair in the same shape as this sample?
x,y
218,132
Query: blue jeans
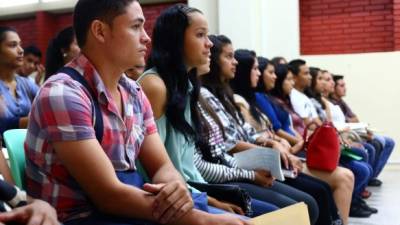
x,y
282,195
371,154
362,173
381,159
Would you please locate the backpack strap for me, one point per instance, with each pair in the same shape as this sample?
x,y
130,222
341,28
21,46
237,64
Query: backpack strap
x,y
97,117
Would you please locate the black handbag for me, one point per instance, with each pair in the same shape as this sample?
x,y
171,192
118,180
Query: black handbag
x,y
226,192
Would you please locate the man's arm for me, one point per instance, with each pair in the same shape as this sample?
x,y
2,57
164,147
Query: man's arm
x,y
90,166
172,196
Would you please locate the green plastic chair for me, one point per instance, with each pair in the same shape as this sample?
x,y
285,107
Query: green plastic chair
x,y
14,140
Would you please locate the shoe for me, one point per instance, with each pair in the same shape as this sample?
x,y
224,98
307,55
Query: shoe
x,y
366,194
365,206
375,182
357,211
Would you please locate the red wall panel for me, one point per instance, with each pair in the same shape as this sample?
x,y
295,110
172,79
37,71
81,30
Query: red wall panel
x,y
348,26
41,27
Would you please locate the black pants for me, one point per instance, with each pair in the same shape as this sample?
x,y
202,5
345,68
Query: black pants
x,y
321,192
282,195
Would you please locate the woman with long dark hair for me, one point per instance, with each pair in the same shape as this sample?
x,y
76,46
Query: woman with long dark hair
x,y
244,87
238,135
180,44
61,50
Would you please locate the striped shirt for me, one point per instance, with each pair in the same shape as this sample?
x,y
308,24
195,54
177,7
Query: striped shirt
x,y
62,111
222,167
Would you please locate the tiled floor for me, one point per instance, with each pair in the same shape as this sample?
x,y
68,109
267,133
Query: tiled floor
x,y
386,199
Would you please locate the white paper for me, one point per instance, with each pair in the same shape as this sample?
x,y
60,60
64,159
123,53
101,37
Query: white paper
x,y
261,158
352,126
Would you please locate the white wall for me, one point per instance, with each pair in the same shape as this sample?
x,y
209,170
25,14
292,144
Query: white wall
x,y
260,25
280,29
240,21
210,10
373,88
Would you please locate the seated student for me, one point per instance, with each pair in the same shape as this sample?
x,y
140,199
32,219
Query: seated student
x,y
244,86
61,50
25,209
281,122
301,104
180,140
32,68
239,135
381,157
89,178
278,60
341,180
16,92
321,85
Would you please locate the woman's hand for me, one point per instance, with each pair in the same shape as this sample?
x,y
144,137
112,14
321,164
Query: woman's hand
x,y
229,207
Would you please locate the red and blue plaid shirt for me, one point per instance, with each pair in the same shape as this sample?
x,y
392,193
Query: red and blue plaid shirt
x,y
62,111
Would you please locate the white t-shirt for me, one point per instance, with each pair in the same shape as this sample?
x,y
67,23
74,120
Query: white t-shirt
x,y
302,105
337,114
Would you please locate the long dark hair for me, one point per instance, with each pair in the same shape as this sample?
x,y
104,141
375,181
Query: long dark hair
x,y
213,82
167,57
54,53
263,63
278,96
311,92
241,84
281,71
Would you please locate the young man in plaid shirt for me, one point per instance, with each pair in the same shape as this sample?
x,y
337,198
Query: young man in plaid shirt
x,y
96,183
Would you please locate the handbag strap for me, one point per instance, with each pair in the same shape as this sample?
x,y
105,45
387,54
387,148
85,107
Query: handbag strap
x,y
325,123
97,116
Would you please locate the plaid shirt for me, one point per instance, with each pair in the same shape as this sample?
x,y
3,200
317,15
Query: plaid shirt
x,y
62,111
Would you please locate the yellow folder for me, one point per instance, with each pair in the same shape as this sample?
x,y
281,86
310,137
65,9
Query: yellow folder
x,y
296,214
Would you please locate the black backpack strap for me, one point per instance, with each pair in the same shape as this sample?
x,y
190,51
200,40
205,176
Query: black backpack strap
x,y
97,117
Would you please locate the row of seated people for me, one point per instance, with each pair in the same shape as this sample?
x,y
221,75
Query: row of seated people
x,y
186,98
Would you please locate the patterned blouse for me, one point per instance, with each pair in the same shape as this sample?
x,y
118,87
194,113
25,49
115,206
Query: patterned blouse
x,y
221,167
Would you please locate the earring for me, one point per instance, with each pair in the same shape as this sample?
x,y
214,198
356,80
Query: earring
x,y
65,55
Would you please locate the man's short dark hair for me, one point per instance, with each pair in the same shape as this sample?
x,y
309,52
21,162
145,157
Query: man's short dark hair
x,y
86,11
33,50
295,64
337,77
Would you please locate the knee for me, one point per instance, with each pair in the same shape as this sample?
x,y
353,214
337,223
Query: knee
x,y
389,142
346,178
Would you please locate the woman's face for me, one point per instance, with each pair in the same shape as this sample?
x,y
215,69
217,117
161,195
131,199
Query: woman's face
x,y
227,62
269,77
288,84
11,52
196,43
320,83
329,83
254,74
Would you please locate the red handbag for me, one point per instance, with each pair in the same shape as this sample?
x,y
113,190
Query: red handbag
x,y
322,147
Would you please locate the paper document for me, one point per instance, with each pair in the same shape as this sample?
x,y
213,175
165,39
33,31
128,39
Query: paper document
x,y
292,215
352,126
261,158
289,173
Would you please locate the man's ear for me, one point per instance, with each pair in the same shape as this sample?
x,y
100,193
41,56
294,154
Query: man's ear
x,y
99,30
